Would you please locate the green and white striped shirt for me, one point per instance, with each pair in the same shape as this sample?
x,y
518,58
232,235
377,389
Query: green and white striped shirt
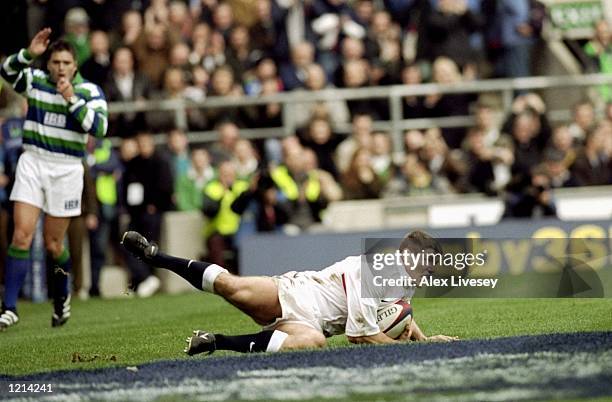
x,y
52,126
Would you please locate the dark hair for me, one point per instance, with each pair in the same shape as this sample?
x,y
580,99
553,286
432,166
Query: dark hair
x,y
61,45
418,240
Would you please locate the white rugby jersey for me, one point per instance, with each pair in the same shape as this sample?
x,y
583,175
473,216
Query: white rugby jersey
x,y
336,293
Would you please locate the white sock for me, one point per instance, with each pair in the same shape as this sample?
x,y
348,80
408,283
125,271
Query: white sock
x,y
276,341
210,275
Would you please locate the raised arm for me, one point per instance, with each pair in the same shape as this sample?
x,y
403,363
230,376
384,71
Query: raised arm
x,y
14,69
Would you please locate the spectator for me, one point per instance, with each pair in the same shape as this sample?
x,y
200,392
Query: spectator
x,y
382,162
189,189
147,194
243,54
245,159
200,37
413,142
299,185
332,19
360,180
533,201
335,111
179,57
527,153
179,20
268,31
77,232
583,120
356,75
97,67
223,222
151,50
599,51
447,168
270,210
264,70
130,30
448,28
156,13
174,87
480,176
386,43
223,19
592,166
215,57
446,72
320,138
223,84
76,28
516,37
178,153
330,189
556,170
270,114
361,137
294,73
413,106
563,142
488,122
414,179
125,84
106,170
224,148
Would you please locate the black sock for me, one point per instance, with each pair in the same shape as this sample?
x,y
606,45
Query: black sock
x,y
244,343
190,270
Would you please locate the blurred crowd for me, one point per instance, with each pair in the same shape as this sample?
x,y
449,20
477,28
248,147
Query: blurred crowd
x,y
161,49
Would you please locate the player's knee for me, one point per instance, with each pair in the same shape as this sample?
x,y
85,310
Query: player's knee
x,y
227,285
309,340
22,239
54,246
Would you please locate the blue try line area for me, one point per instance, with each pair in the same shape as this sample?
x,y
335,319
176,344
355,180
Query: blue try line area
x,y
543,367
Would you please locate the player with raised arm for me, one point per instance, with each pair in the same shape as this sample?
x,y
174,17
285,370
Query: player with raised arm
x,y
63,109
297,309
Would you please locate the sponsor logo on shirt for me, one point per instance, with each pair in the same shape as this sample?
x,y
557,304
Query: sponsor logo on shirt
x,y
55,119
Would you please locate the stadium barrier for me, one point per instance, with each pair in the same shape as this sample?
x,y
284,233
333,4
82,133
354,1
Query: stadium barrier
x,y
505,88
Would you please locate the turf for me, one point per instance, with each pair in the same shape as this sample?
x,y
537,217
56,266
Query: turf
x,y
129,332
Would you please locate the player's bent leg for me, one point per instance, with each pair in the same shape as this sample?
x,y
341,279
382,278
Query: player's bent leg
x,y
60,264
256,296
25,217
301,336
289,336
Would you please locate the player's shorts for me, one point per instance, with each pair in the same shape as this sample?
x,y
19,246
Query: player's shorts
x,y
54,186
297,301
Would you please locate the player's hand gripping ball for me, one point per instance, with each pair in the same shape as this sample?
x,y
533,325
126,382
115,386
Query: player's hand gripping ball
x,y
393,318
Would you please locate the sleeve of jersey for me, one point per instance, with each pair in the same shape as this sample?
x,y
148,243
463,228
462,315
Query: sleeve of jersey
x,y
92,113
16,72
361,318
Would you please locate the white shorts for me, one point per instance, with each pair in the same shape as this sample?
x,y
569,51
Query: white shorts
x,y
295,297
54,186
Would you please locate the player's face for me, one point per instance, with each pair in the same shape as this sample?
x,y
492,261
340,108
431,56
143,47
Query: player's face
x,y
61,65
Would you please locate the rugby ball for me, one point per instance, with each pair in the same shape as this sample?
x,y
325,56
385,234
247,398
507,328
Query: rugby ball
x,y
393,318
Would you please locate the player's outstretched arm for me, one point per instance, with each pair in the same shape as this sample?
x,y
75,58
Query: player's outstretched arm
x,y
378,339
413,332
14,69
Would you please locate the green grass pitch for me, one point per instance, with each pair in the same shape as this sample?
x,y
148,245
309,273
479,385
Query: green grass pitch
x,y
127,332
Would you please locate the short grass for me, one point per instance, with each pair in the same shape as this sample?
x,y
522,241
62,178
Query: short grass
x,y
126,332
